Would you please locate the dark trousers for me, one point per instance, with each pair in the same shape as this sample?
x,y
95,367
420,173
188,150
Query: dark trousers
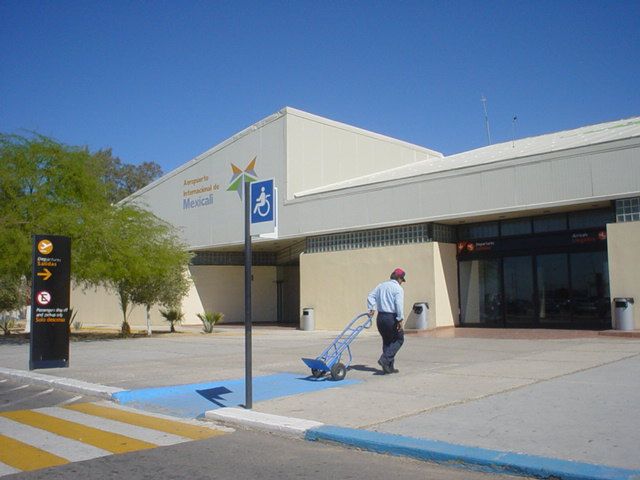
x,y
392,338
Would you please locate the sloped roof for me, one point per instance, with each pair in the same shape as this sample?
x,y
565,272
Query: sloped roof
x,y
548,143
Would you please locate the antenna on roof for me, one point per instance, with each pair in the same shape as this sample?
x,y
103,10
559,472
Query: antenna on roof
x,y
486,118
513,131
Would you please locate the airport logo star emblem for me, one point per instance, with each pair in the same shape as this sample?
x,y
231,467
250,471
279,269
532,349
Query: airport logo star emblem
x,y
241,176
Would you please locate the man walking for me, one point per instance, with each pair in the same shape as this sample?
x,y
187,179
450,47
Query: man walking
x,y
388,299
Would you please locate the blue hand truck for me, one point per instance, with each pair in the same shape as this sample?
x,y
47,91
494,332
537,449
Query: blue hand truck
x,y
329,359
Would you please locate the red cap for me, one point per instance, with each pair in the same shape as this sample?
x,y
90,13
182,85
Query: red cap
x,y
399,273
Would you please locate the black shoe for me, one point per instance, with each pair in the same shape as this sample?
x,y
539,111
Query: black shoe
x,y
385,368
393,369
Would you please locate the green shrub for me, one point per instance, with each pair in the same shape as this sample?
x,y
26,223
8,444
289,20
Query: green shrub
x,y
172,315
6,325
209,319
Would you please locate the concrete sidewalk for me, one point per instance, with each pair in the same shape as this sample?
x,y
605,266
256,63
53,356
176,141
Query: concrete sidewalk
x,y
552,395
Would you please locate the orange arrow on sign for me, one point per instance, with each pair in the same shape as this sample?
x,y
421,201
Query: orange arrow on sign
x,y
46,274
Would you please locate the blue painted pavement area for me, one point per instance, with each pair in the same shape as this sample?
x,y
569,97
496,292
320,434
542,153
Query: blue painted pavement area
x,y
473,458
191,401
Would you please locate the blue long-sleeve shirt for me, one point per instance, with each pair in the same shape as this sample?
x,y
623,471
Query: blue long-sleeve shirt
x,y
387,297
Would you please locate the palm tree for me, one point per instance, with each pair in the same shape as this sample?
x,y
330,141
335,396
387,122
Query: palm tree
x,y
209,319
172,315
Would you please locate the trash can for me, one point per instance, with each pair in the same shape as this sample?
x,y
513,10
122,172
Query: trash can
x,y
418,317
307,322
623,313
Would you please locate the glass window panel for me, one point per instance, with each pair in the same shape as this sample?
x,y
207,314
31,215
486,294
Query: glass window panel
x,y
550,223
520,226
590,218
479,230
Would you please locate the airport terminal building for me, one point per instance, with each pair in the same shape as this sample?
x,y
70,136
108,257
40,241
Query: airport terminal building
x,y
540,232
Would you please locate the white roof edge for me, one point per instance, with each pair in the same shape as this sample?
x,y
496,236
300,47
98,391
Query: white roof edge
x,y
371,178
361,131
576,130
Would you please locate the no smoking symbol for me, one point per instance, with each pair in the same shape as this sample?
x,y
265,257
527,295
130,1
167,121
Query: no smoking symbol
x,y
43,298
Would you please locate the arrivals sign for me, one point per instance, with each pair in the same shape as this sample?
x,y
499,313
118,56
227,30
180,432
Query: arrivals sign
x,y
50,302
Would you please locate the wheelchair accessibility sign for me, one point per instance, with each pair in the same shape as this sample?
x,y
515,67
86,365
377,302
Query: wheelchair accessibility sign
x,y
263,199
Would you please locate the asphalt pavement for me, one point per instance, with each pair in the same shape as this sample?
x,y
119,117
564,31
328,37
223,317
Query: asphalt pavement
x,y
536,403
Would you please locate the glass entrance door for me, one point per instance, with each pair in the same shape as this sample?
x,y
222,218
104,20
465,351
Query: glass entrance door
x,y
590,305
554,300
518,291
480,287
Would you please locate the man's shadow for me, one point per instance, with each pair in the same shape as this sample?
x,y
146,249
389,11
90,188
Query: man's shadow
x,y
365,368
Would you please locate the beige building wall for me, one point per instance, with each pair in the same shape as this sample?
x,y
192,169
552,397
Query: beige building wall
x,y
445,273
214,288
623,243
221,289
101,307
336,284
321,152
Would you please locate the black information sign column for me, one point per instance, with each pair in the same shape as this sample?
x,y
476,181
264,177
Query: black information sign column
x,y
50,302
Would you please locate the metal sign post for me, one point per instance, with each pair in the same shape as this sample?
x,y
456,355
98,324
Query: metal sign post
x,y
49,346
260,217
248,377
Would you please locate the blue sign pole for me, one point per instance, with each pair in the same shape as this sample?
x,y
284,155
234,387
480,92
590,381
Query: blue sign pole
x,y
248,376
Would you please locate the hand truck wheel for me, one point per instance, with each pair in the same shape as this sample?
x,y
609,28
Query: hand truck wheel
x,y
338,371
316,373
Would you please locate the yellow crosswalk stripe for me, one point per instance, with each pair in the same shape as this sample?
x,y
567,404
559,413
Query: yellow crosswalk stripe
x,y
25,457
112,442
168,426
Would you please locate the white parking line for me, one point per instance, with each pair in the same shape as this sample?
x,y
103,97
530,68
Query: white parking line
x,y
35,395
17,388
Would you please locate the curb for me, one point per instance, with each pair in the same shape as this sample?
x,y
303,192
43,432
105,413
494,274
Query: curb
x,y
448,454
292,427
68,384
470,458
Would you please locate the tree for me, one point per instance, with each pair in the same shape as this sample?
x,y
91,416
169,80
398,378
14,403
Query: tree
x,y
12,293
124,179
45,187
143,260
167,287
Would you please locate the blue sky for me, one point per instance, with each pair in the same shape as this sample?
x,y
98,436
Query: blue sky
x,y
164,81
